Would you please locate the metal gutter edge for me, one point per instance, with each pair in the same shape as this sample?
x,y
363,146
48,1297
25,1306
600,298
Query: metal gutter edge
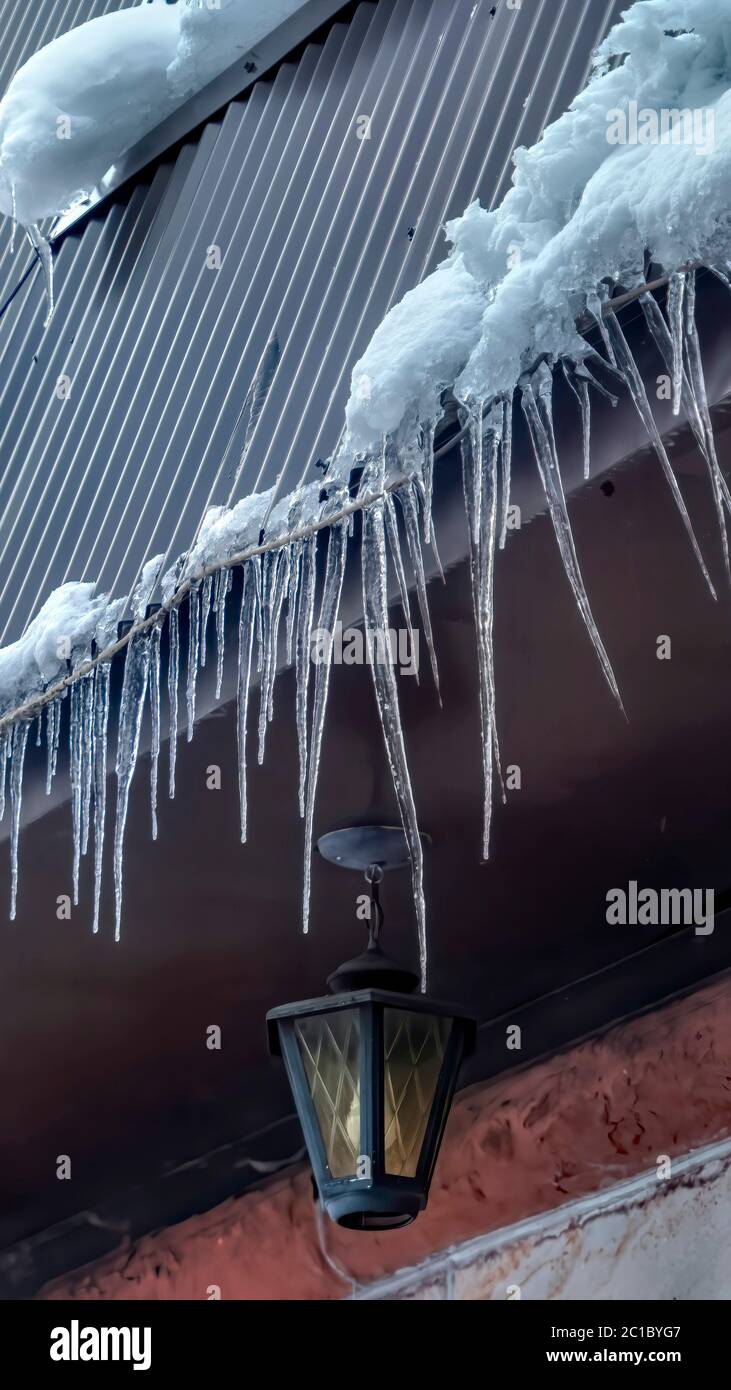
x,y
231,83
551,1224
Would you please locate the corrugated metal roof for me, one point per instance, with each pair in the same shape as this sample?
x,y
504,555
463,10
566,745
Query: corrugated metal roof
x,y
319,232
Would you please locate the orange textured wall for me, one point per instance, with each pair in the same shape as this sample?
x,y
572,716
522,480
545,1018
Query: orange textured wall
x,y
598,1113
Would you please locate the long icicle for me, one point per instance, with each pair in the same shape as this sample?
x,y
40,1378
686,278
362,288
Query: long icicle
x,y
173,679
4,740
394,545
375,605
75,772
694,399
87,755
274,584
580,388
17,760
53,734
506,458
676,295
206,596
193,649
480,481
279,597
267,578
428,476
101,726
247,623
642,405
155,639
223,588
664,343
303,657
293,595
544,450
131,708
488,541
329,606
407,498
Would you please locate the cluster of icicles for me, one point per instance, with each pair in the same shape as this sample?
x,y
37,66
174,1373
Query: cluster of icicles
x,y
283,579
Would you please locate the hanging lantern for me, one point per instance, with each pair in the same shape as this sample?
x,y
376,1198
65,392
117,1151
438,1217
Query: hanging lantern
x,y
373,1066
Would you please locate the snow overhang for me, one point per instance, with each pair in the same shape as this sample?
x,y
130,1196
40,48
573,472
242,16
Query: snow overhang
x,y
233,82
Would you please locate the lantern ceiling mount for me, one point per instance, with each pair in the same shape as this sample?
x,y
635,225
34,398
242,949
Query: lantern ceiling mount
x,y
360,846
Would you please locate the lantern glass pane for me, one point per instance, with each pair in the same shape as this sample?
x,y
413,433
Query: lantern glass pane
x,y
413,1052
330,1049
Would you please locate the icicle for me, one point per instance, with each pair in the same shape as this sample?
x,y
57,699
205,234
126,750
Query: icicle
x,y
540,425
87,754
435,553
155,638
268,576
375,604
474,442
506,464
661,335
580,388
205,611
247,623
42,245
17,759
39,728
303,654
293,594
259,579
75,772
53,733
101,725
329,605
480,481
675,297
595,306
699,395
407,498
132,704
428,476
224,579
581,370
394,545
420,494
642,405
193,646
274,585
664,343
4,741
173,677
279,597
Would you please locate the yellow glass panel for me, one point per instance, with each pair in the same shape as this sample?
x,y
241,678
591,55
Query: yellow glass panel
x,y
413,1046
330,1048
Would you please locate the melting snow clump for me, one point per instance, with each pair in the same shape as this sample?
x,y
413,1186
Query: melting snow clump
x,y
74,108
641,161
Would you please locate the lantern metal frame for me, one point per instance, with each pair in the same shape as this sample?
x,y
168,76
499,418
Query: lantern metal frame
x,y
378,1200
355,1201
